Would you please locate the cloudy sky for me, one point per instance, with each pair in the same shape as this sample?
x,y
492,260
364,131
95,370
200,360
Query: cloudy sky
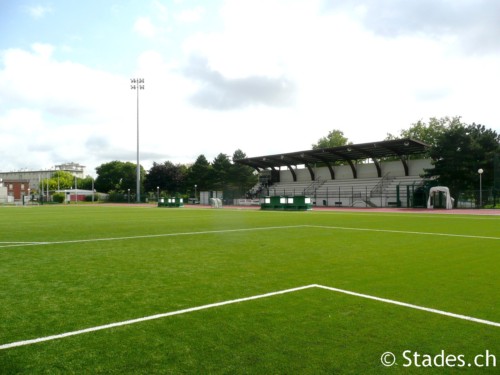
x,y
263,76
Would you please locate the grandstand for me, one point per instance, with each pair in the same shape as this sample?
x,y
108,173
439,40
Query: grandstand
x,y
364,192
377,174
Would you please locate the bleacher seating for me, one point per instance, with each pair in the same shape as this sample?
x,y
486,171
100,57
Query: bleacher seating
x,y
373,192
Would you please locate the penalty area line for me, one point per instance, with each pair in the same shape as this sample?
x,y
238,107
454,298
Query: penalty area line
x,y
14,242
411,306
406,232
151,317
245,299
148,236
19,244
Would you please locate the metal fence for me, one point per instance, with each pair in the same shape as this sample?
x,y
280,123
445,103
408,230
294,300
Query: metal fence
x,y
485,198
357,196
402,195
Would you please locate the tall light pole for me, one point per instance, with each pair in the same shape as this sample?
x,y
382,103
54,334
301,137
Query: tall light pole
x,y
480,171
76,191
137,84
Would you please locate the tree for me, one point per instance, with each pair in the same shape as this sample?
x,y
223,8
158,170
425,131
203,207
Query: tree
x,y
243,177
85,183
167,176
117,176
238,154
427,132
335,138
221,171
200,174
61,180
458,154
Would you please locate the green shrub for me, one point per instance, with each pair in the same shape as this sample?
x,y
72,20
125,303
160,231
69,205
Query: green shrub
x,y
58,197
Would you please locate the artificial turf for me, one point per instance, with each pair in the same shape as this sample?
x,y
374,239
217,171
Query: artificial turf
x,y
67,268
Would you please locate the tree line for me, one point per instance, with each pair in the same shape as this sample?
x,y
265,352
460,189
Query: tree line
x,y
118,178
458,152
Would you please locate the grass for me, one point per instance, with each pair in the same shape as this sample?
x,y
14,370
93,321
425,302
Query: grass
x,y
110,264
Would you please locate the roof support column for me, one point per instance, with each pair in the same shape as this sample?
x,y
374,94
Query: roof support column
x,y
294,175
353,168
311,172
330,168
377,165
405,165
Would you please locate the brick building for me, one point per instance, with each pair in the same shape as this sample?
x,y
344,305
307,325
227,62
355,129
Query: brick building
x,y
16,189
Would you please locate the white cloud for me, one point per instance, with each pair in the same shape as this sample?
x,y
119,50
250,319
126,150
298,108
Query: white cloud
x,y
191,15
38,11
144,27
38,80
254,40
160,10
473,25
346,76
43,50
56,106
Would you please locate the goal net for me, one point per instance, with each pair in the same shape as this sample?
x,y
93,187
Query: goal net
x,y
216,202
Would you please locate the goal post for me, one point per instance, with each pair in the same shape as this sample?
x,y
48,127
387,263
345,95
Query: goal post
x,y
215,202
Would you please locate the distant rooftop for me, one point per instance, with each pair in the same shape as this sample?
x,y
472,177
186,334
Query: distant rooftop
x,y
70,166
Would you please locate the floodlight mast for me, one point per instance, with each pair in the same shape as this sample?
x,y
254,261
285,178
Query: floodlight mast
x,y
480,171
137,84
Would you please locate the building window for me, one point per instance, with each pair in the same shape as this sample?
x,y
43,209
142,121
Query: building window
x,y
22,186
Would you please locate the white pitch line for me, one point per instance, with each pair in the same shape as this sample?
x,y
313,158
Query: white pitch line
x,y
4,244
406,232
411,306
18,244
245,299
152,317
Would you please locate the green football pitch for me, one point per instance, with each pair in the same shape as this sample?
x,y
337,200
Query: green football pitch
x,y
141,290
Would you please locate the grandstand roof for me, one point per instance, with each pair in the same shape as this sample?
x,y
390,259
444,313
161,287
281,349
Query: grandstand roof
x,y
400,148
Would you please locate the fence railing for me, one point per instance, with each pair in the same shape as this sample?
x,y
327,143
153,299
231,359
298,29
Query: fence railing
x,y
314,186
346,196
485,198
401,195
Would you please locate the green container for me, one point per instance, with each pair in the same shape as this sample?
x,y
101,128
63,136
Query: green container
x,y
171,202
285,203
